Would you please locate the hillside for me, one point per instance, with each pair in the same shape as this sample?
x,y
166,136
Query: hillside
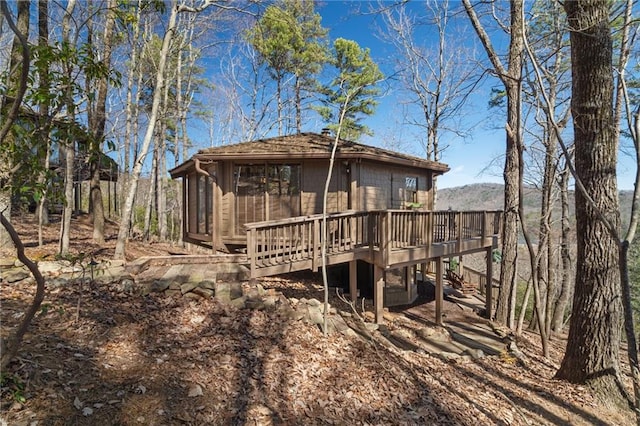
x,y
98,354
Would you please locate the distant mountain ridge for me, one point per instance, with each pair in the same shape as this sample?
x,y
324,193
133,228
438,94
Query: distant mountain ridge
x,y
490,196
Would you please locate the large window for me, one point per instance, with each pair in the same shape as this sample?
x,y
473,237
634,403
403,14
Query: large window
x,y
284,191
200,205
266,191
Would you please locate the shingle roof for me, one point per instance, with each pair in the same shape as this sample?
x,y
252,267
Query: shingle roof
x,y
306,146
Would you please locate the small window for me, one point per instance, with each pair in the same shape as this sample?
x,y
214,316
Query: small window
x,y
411,190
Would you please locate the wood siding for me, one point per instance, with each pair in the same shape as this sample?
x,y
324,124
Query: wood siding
x,y
355,185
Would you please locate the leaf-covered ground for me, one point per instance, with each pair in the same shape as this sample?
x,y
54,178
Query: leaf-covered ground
x,y
97,356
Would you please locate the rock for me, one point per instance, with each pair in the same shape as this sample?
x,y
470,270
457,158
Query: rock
x,y
17,263
238,302
315,315
252,293
7,262
371,326
56,282
232,272
48,267
474,353
270,302
195,390
449,356
425,332
204,292
256,304
15,275
172,293
438,334
337,323
192,295
108,274
209,284
114,263
313,302
261,290
289,313
187,287
174,286
155,286
126,285
225,292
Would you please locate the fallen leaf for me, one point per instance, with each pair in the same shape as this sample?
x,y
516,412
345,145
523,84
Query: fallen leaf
x,y
77,403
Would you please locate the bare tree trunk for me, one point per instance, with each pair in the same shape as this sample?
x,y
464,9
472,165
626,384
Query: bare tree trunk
x,y
153,190
69,149
511,79
592,353
162,193
523,309
97,128
633,123
132,75
44,122
566,288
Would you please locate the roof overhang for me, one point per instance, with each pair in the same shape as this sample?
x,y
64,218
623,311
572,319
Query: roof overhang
x,y
208,158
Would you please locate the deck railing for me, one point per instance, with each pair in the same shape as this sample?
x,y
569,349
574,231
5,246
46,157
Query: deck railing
x,y
294,244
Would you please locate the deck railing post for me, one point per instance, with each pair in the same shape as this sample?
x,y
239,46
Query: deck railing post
x,y
315,245
484,227
385,242
378,293
459,231
488,295
251,251
430,231
439,291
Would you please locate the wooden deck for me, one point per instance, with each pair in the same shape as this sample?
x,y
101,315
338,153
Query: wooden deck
x,y
387,239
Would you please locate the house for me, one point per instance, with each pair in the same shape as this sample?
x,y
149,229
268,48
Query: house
x,y
266,196
226,187
63,135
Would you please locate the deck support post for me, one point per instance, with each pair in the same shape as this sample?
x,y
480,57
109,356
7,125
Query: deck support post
x,y
488,291
353,280
378,293
424,268
439,290
412,283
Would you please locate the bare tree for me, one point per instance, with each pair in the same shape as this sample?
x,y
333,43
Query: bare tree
x,y
160,77
439,80
592,353
97,123
69,149
511,78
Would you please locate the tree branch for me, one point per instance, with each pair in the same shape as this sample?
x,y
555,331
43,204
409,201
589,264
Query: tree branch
x,y
11,349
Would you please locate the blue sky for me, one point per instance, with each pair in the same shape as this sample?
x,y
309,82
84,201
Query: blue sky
x,y
472,160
